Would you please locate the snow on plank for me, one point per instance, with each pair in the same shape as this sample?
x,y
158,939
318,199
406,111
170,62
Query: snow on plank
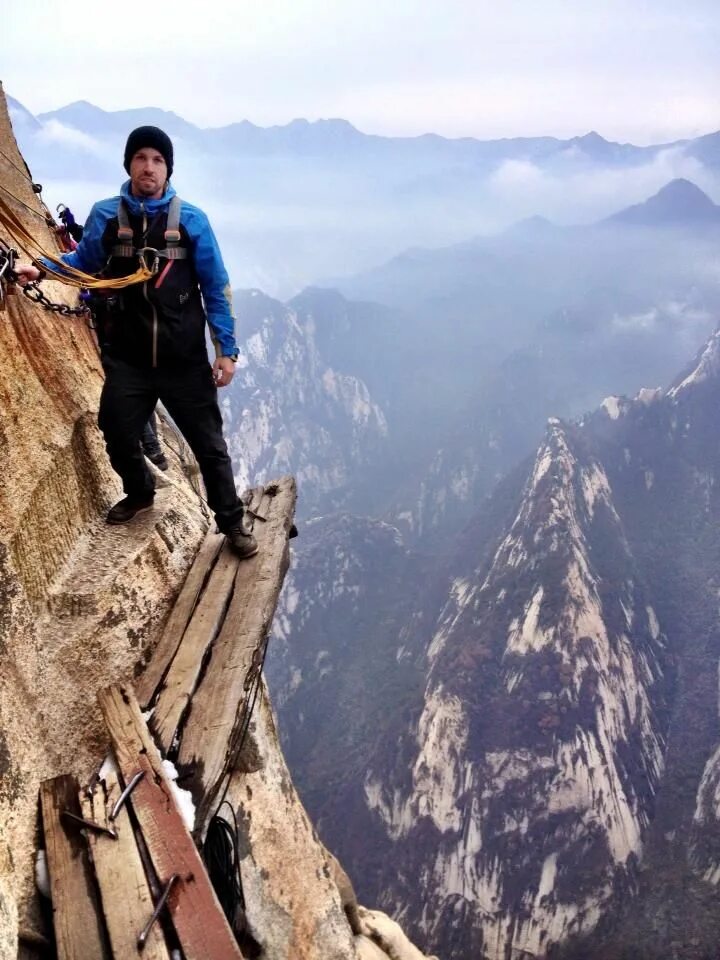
x,y
126,899
198,919
79,931
208,741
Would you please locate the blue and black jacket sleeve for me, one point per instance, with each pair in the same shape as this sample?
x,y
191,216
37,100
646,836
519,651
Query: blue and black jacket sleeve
x,y
213,279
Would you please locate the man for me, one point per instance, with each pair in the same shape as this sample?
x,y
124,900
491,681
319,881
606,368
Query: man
x,y
152,335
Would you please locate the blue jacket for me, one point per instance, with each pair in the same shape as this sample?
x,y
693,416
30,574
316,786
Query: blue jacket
x,y
204,260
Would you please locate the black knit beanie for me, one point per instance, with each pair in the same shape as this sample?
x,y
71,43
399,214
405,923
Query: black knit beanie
x,y
152,137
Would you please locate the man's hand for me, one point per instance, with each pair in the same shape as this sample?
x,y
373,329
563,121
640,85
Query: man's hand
x,y
223,371
26,273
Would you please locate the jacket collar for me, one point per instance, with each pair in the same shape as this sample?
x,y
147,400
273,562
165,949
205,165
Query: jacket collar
x,y
136,205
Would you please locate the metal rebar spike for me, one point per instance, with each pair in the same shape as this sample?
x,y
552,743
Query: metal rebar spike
x,y
142,938
89,824
122,799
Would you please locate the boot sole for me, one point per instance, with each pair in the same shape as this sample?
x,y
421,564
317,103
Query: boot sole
x,y
119,523
244,556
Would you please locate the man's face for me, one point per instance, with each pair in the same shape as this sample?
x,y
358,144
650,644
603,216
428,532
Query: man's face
x,y
148,174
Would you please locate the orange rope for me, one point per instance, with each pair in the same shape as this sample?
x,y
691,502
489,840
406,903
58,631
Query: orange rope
x,y
25,241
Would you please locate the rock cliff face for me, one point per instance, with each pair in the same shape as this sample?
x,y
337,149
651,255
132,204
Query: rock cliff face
x,y
554,784
544,776
540,745
81,606
290,410
78,603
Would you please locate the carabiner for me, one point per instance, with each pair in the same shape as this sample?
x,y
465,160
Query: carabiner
x,y
141,251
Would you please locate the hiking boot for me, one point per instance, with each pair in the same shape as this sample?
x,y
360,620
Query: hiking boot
x,y
159,459
127,508
243,543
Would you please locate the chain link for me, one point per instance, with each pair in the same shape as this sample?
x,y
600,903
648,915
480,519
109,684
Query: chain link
x,y
33,292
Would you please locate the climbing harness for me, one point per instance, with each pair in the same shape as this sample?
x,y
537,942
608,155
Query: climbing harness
x,y
126,248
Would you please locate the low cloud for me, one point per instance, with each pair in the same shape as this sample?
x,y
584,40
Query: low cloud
x,y
55,133
520,188
298,221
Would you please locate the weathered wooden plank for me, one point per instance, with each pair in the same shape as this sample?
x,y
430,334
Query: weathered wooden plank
x,y
124,890
209,738
79,931
182,677
200,924
147,684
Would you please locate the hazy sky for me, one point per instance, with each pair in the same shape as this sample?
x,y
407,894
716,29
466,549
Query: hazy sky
x,y
638,70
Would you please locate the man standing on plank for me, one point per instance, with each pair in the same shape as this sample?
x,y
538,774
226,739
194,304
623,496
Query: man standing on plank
x,y
152,335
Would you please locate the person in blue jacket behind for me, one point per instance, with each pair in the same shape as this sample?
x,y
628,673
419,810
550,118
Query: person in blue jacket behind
x,y
152,335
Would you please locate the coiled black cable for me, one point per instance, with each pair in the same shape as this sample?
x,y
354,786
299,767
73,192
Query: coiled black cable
x,y
222,859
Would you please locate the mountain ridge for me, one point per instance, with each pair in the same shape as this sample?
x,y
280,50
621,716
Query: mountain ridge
x,y
590,141
679,202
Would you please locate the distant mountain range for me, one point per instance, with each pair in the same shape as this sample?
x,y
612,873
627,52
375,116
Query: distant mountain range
x,y
340,136
305,200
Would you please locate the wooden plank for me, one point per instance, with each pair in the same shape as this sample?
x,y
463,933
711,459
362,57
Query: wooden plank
x,y
199,921
124,890
184,672
79,931
147,685
209,738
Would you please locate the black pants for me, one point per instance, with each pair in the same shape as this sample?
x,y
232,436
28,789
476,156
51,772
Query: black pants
x,y
149,439
128,399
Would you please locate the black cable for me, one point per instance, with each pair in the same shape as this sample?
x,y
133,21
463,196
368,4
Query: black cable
x,y
222,859
25,173
27,206
36,188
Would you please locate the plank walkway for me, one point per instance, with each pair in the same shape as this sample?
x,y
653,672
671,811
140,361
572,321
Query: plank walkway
x,y
107,879
79,931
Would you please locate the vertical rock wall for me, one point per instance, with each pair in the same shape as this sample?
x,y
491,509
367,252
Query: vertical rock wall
x,y
80,604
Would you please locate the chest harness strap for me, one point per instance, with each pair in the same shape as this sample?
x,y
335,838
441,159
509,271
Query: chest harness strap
x,y
125,246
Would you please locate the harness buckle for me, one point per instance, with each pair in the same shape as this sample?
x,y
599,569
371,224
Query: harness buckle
x,y
142,253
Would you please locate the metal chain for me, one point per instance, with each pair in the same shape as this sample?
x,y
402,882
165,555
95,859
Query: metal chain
x,y
33,292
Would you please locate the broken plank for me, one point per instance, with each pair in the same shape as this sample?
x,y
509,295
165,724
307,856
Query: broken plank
x,y
196,914
77,919
124,889
184,672
209,739
147,684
